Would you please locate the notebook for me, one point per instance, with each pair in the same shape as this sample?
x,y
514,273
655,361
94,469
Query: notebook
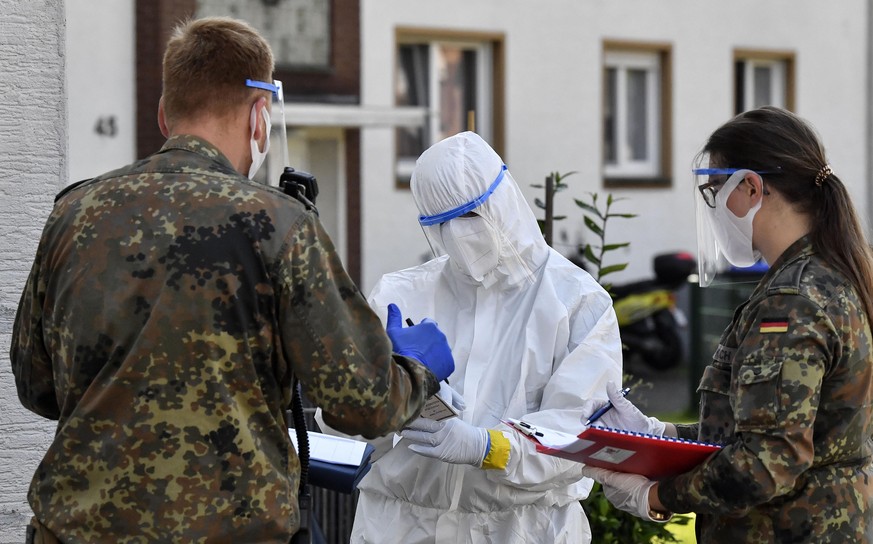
x,y
334,462
655,457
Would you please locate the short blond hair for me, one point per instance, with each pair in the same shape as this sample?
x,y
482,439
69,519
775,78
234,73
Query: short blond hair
x,y
206,64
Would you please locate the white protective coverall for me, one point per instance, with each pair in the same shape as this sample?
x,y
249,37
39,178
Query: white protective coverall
x,y
533,345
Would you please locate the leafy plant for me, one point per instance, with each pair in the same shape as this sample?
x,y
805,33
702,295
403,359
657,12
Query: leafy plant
x,y
594,253
554,184
595,221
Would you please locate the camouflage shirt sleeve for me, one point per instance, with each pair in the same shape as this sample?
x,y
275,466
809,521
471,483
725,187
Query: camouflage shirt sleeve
x,y
775,390
31,362
339,349
687,431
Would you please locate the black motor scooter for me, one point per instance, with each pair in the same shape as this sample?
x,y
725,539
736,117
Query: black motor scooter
x,y
649,320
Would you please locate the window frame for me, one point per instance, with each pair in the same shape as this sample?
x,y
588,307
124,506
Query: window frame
x,y
490,58
757,57
655,57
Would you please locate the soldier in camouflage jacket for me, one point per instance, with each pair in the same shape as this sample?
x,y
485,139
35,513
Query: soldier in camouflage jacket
x,y
790,388
170,306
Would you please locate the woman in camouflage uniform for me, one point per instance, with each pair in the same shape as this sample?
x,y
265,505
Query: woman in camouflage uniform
x,y
789,389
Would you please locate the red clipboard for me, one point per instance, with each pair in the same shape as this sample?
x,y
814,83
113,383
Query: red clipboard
x,y
654,457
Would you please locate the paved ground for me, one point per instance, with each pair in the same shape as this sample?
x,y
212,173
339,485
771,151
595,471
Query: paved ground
x,y
661,392
667,392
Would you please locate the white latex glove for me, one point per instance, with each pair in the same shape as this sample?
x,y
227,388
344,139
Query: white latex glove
x,y
452,397
628,492
450,440
623,415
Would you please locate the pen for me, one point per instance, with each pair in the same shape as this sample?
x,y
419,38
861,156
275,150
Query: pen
x,y
605,408
411,323
530,429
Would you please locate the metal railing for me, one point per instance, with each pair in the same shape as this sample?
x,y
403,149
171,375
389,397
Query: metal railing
x,y
335,513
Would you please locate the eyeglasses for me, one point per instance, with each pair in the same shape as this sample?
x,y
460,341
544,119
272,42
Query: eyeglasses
x,y
709,189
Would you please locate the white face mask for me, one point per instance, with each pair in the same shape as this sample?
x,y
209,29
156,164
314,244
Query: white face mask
x,y
258,156
472,244
734,234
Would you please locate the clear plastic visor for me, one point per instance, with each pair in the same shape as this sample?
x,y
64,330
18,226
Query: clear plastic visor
x,y
710,261
712,187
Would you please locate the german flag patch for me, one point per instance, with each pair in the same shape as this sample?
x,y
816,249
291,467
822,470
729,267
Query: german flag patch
x,y
778,324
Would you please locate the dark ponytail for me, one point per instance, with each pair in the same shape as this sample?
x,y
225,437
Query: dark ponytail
x,y
837,235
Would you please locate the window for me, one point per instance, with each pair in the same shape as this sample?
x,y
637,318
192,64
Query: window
x,y
635,142
763,79
454,79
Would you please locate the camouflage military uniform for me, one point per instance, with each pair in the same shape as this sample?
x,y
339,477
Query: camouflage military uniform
x,y
169,304
789,393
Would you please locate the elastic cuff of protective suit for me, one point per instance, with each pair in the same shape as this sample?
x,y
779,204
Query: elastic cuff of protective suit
x,y
498,451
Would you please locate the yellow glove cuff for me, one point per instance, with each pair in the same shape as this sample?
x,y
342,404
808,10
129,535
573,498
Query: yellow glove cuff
x,y
498,454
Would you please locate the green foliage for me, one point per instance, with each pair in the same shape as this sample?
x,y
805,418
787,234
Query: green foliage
x,y
596,221
558,185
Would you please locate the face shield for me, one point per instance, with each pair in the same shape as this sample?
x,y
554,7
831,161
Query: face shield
x,y
471,209
470,238
278,132
724,240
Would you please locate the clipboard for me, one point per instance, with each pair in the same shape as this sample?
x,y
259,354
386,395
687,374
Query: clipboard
x,y
335,462
655,457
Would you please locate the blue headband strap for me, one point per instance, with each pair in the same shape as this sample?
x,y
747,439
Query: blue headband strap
x,y
729,171
263,85
427,220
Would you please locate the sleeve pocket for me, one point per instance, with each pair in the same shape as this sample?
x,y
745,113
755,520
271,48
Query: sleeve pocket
x,y
715,380
757,405
715,417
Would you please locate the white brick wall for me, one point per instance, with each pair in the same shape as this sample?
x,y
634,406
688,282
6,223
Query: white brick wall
x,y
32,168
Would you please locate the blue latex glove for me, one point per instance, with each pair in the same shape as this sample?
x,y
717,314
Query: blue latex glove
x,y
450,440
424,342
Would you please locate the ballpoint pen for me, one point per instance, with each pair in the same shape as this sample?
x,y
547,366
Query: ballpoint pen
x,y
527,428
605,408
